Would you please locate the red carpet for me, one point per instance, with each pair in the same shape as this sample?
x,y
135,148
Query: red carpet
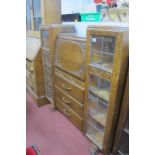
x,y
52,133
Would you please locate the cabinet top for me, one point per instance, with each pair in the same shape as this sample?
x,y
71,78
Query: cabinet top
x,y
46,27
32,47
116,27
71,36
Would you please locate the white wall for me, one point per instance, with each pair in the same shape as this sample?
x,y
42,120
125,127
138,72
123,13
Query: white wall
x,y
73,6
81,27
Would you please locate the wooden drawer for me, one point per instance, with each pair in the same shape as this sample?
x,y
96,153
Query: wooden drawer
x,y
30,80
70,114
70,88
70,101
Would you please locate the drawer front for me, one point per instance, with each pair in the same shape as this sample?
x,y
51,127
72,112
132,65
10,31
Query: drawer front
x,y
71,115
30,81
29,65
70,88
71,102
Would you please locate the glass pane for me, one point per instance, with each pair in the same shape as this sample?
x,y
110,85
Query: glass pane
x,y
93,81
45,51
28,15
45,38
101,114
36,5
49,92
92,102
104,89
94,131
93,85
98,97
98,111
102,52
46,59
47,73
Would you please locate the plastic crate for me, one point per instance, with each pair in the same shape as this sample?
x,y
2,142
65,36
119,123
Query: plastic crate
x,y
90,17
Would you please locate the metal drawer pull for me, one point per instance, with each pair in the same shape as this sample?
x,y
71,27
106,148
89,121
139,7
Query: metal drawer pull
x,y
68,102
66,88
67,114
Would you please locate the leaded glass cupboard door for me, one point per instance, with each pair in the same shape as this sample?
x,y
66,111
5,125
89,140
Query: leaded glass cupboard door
x,y
107,61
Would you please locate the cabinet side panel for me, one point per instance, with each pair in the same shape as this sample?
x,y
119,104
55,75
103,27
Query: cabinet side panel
x,y
39,75
117,87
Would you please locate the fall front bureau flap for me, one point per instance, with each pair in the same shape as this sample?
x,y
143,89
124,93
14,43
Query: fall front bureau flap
x,y
32,47
70,54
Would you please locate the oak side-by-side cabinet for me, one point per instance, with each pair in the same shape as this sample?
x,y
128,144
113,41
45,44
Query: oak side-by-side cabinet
x,y
84,78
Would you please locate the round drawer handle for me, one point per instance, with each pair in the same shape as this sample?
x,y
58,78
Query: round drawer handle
x,y
66,113
66,88
65,101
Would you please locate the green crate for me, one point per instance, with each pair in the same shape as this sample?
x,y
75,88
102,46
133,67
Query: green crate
x,y
90,17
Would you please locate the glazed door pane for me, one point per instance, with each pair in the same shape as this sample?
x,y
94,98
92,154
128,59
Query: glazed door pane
x,y
97,110
102,52
28,15
36,7
46,58
44,38
104,89
99,87
48,82
94,131
47,73
93,82
98,97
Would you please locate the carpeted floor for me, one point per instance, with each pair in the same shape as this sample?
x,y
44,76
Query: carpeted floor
x,y
52,133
